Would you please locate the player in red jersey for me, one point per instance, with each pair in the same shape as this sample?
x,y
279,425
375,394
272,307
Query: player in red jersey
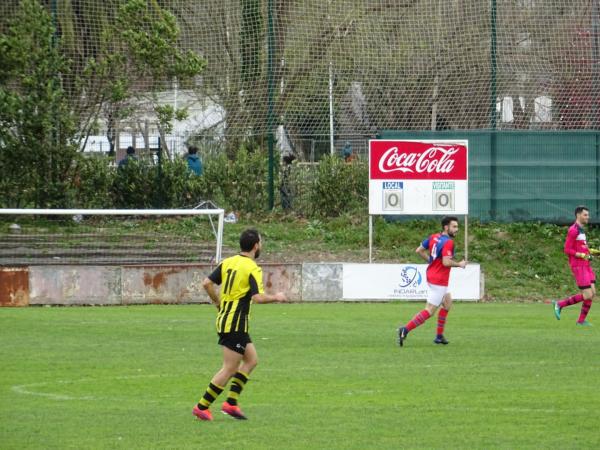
x,y
579,260
438,251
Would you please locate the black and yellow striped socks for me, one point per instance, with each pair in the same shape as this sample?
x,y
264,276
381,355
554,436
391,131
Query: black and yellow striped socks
x,y
212,392
238,381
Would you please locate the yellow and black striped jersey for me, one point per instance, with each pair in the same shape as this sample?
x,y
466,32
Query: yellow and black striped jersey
x,y
240,278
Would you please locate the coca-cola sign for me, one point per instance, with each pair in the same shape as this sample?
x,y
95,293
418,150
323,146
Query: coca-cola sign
x,y
409,160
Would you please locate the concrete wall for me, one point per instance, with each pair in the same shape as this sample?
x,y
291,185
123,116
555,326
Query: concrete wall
x,y
74,285
127,285
322,281
163,284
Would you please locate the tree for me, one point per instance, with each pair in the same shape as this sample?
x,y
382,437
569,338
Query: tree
x,y
138,54
122,53
56,83
231,39
36,123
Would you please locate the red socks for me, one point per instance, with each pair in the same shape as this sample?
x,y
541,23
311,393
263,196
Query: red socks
x,y
441,323
419,319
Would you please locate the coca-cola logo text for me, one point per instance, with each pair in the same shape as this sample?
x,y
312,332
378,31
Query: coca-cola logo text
x,y
432,160
417,160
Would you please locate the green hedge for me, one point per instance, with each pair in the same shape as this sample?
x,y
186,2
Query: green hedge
x,y
238,184
327,189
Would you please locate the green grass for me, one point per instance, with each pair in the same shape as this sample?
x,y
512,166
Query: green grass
x,y
330,376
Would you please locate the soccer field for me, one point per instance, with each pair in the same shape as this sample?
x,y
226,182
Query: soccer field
x,y
329,376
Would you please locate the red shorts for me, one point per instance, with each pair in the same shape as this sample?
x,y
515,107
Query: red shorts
x,y
584,276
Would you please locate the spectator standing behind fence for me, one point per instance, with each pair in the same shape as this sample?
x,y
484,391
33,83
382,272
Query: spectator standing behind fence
x,y
130,155
348,153
285,190
193,160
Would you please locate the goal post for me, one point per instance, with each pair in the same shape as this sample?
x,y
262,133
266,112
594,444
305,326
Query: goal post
x,y
100,242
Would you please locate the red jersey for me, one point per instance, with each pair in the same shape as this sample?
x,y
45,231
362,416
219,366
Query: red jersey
x,y
439,245
576,243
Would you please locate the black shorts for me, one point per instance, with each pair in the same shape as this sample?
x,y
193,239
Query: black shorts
x,y
235,341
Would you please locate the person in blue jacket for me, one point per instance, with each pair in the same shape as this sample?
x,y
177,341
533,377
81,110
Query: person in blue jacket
x,y
130,156
193,160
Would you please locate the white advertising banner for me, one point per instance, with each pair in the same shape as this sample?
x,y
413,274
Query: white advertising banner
x,y
418,177
405,282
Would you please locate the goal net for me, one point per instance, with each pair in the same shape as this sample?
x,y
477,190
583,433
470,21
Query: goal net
x,y
359,65
109,237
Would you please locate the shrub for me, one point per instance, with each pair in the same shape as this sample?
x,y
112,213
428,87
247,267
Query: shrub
x,y
338,188
134,186
92,184
239,184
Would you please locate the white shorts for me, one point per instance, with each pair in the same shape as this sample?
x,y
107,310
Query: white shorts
x,y
436,294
